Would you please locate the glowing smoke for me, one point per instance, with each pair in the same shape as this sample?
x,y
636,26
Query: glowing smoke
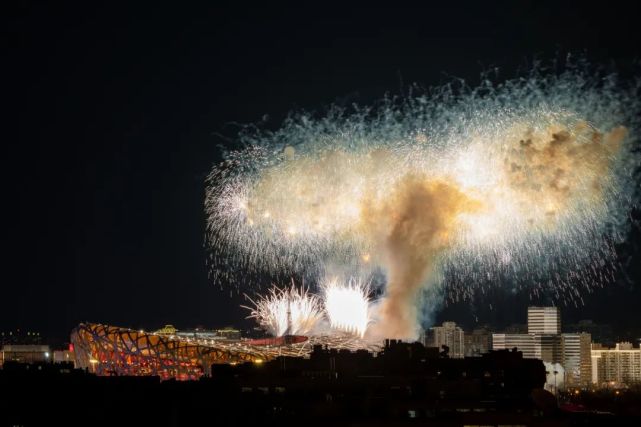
x,y
529,181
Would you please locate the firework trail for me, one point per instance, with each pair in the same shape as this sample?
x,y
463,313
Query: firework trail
x,y
529,181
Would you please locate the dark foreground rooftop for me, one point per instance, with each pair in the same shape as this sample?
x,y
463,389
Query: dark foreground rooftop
x,y
406,384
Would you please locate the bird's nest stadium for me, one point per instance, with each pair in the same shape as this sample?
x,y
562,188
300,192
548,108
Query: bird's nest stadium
x,y
109,350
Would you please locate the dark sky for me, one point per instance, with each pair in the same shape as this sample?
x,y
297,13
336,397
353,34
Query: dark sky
x,y
113,114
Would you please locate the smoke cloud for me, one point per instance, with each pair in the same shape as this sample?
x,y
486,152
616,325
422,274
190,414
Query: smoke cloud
x,y
415,224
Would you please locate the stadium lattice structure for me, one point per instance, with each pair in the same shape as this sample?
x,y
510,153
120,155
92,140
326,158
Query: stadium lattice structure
x,y
110,350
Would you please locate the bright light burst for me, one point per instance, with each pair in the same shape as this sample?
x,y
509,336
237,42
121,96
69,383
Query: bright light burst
x,y
290,311
347,305
528,182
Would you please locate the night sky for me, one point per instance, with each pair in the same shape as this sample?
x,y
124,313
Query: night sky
x,y
115,116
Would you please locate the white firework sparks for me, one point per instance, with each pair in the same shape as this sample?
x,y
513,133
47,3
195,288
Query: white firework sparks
x,y
290,311
530,181
347,305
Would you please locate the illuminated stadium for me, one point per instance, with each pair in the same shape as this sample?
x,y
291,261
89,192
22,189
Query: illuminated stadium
x,y
114,351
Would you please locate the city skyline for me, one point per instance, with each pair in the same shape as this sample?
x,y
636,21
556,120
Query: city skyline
x,y
615,331
539,321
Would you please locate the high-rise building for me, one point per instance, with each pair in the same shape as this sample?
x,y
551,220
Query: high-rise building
x,y
545,342
614,367
478,342
542,340
543,320
533,346
451,336
548,348
577,360
522,342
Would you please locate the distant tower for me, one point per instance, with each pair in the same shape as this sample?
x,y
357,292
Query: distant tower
x,y
288,331
543,320
451,336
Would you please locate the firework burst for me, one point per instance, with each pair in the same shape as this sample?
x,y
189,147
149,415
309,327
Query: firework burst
x,y
291,311
529,181
347,305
